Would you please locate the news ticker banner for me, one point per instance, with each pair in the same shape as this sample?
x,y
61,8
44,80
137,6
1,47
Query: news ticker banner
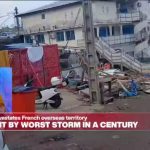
x,y
75,121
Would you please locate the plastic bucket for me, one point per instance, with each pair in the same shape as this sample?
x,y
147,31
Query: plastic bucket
x,y
24,100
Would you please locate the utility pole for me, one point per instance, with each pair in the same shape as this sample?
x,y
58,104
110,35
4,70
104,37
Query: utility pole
x,y
17,19
90,51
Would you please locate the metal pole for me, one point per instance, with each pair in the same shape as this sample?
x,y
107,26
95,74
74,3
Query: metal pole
x,y
90,51
17,19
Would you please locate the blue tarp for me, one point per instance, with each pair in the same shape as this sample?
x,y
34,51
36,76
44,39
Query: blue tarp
x,y
134,89
17,46
19,89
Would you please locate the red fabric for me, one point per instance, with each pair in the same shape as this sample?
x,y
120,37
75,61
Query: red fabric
x,y
105,67
41,71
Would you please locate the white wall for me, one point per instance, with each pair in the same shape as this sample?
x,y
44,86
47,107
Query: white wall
x,y
71,43
102,12
145,7
60,17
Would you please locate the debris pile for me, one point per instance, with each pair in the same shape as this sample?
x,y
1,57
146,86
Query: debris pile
x,y
115,84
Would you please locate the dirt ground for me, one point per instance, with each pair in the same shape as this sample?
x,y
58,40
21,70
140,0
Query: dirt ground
x,y
79,140
71,103
92,140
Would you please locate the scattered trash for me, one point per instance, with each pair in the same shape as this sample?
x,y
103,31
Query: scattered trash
x,y
112,72
133,89
147,91
122,107
56,138
108,100
115,84
121,95
84,93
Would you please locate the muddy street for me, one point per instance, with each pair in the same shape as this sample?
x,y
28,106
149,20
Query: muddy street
x,y
79,140
92,140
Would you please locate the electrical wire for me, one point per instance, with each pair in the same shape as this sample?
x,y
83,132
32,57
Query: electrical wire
x,y
4,16
5,20
8,14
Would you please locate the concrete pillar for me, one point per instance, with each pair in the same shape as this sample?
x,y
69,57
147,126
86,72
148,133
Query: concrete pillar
x,y
52,40
33,38
98,31
49,38
112,65
24,39
110,30
121,31
64,35
46,37
121,67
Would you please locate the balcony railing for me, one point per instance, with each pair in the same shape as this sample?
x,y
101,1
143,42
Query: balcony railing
x,y
129,17
141,46
111,40
141,25
119,39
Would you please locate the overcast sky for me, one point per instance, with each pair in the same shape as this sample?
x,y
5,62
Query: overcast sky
x,y
23,6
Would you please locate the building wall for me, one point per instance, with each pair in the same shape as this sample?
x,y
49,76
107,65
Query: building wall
x,y
64,18
145,7
104,15
102,11
71,43
59,17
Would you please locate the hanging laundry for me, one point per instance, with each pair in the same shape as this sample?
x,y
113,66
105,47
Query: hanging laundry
x,y
35,53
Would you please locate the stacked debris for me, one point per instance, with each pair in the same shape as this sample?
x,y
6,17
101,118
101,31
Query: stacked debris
x,y
123,84
73,78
